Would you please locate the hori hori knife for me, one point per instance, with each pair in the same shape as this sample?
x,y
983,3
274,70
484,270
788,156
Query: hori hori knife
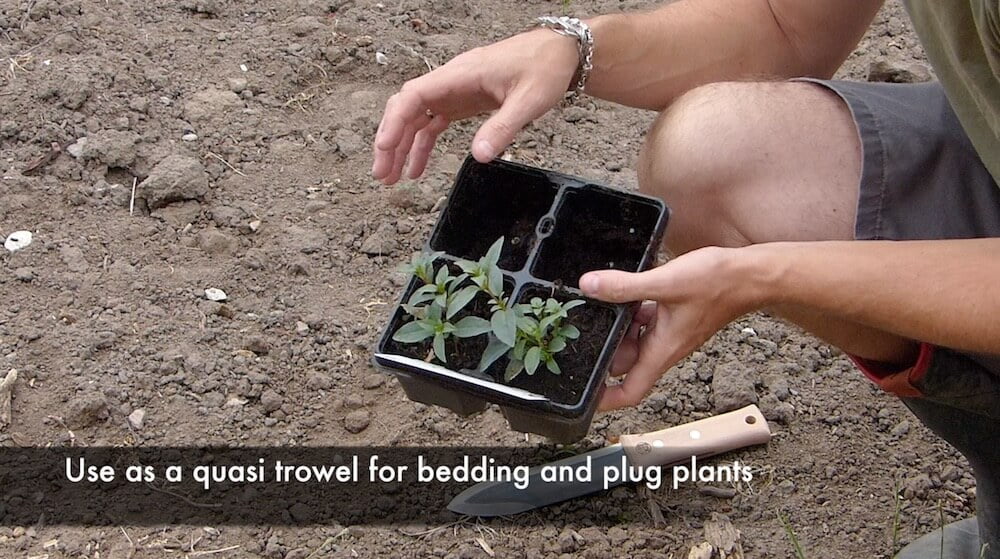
x,y
675,445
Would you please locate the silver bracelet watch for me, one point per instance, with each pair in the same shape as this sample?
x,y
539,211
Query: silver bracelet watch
x,y
574,27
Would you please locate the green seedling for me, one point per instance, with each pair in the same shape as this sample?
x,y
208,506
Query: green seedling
x,y
429,322
422,266
488,277
541,334
444,291
529,334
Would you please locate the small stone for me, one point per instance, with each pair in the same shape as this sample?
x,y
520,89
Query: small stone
x,y
617,536
354,401
113,148
9,129
779,387
892,72
17,240
950,473
301,328
178,214
174,179
704,550
76,148
86,410
257,345
215,242
190,137
319,381
137,418
574,114
786,487
409,196
349,143
567,543
27,275
271,401
215,294
207,7
211,104
234,402
901,429
139,104
237,85
917,486
775,410
373,381
383,241
357,421
74,259
307,241
717,492
732,387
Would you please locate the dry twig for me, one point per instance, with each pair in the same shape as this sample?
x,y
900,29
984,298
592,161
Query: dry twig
x,y
227,164
6,392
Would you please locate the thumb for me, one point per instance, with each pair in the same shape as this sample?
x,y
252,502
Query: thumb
x,y
498,131
615,286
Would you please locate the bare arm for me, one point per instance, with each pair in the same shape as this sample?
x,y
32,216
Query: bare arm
x,y
940,292
647,59
643,60
943,292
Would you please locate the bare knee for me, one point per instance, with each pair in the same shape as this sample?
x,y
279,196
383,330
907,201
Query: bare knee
x,y
741,163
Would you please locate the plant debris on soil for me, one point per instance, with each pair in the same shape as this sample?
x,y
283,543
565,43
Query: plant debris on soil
x,y
156,149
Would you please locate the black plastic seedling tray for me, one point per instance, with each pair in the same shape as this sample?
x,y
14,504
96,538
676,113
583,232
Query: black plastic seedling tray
x,y
556,227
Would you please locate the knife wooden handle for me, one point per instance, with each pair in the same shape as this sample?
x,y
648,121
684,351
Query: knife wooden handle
x,y
702,438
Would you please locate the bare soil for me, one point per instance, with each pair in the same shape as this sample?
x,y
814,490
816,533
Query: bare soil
x,y
245,127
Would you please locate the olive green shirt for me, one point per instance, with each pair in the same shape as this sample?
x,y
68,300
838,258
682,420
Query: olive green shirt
x,y
962,41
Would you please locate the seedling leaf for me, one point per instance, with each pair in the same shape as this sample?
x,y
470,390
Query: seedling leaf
x,y
439,348
552,366
532,358
504,323
493,254
460,299
514,368
471,326
493,351
557,344
495,281
569,332
413,332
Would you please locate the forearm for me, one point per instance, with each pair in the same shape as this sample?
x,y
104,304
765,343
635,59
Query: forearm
x,y
941,292
647,59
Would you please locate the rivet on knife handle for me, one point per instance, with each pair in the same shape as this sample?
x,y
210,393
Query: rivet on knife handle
x,y
702,438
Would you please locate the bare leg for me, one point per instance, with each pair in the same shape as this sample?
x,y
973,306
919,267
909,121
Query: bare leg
x,y
744,163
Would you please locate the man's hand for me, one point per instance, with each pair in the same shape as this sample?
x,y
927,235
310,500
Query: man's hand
x,y
688,299
521,77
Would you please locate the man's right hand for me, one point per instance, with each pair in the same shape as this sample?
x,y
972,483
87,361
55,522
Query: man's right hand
x,y
521,78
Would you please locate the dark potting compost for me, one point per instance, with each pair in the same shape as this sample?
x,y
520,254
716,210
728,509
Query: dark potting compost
x,y
554,228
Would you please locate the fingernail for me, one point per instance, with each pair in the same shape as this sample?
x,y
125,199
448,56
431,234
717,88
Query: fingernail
x,y
485,149
590,283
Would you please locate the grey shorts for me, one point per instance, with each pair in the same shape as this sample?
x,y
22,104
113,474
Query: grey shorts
x,y
922,179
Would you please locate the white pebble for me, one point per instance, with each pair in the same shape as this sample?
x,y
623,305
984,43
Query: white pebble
x,y
381,58
214,294
189,137
137,418
17,240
